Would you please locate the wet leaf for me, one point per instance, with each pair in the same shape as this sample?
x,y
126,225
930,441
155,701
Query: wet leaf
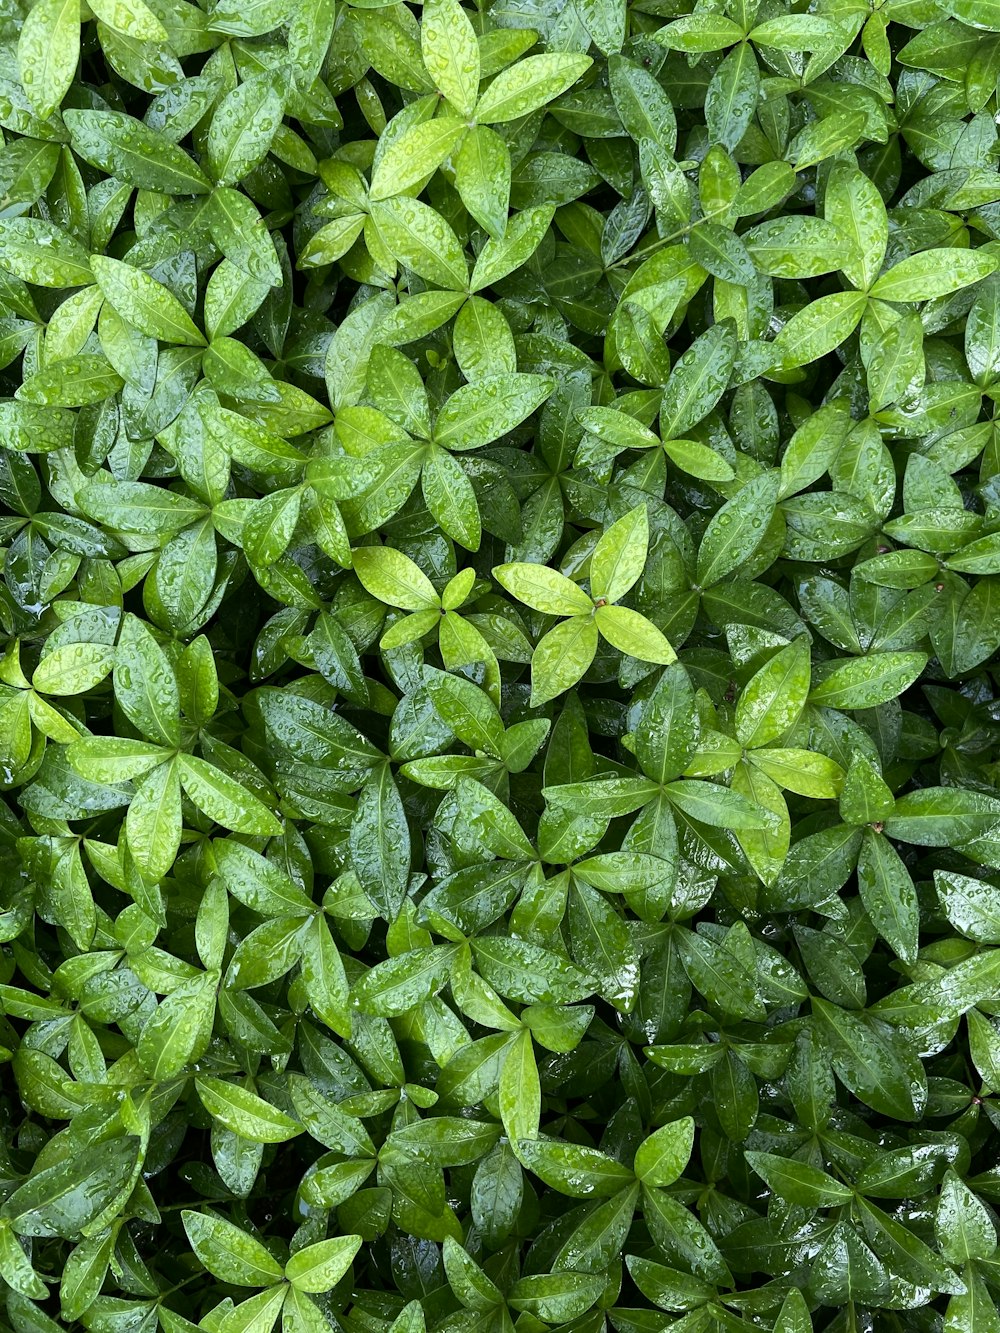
x,y
499,627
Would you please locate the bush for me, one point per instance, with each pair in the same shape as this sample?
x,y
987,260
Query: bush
x,y
501,601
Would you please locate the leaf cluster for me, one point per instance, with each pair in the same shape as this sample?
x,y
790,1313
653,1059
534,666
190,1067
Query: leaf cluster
x,y
499,643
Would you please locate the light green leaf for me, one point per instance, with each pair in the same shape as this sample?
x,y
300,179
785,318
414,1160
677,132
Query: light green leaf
x,y
224,799
772,700
529,84
242,128
451,53
42,253
519,1093
543,589
619,556
243,1112
228,1253
632,633
933,273
661,1157
394,578
145,303
319,1267
416,153
48,52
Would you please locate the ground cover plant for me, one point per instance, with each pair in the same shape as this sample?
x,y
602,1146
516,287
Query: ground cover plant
x,y
500,607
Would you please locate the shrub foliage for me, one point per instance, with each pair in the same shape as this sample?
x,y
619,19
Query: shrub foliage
x,y
500,602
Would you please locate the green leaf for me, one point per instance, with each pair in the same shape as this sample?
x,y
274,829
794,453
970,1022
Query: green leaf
x,y
519,1091
331,242
562,657
661,1157
417,153
393,578
974,1308
847,1269
145,303
720,977
479,413
555,1297
772,700
257,1314
447,1140
73,668
737,529
605,20
798,247
451,53
907,1254
543,589
242,128
527,85
733,92
971,905
642,105
722,253
84,1274
145,158
48,51
820,327
962,1224
529,973
697,382
619,556
65,1197
421,240
933,273
573,1169
667,187
855,207
942,816
493,824
380,843
181,1028
224,799
468,712
42,253
136,506
632,633
153,822
237,229
483,178
666,740
269,527
228,1253
888,895
319,1267
131,18
78,381
865,798
600,944
798,1182
335,1129
872,1061
324,977
501,255
398,984
244,1113
258,883
668,1288
865,682
606,798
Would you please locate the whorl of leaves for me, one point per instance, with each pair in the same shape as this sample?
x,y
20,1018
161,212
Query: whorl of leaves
x,y
501,617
